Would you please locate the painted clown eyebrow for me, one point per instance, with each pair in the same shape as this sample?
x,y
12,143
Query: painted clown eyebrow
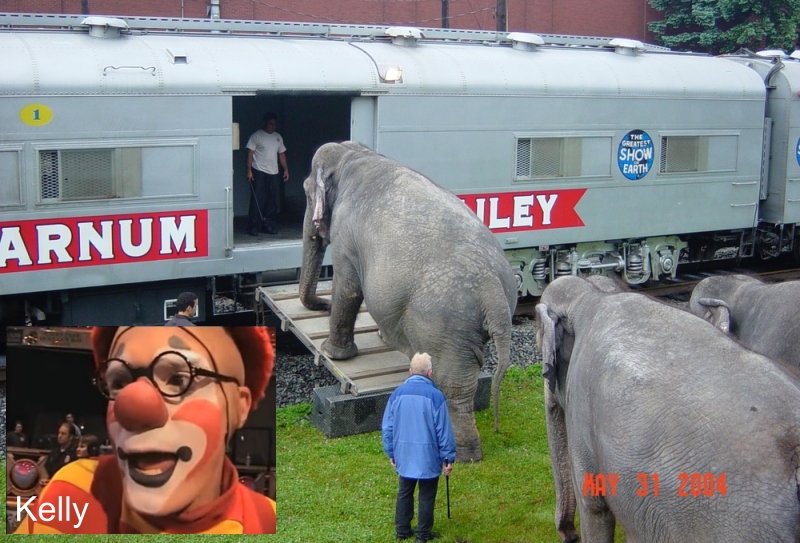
x,y
177,343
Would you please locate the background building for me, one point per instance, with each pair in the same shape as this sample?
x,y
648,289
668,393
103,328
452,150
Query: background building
x,y
612,18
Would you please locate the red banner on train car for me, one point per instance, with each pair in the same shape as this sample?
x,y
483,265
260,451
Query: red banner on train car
x,y
102,240
530,210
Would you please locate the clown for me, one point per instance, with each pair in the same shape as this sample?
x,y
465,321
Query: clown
x,y
176,396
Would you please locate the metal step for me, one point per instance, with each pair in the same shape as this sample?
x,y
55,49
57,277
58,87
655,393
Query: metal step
x,y
377,368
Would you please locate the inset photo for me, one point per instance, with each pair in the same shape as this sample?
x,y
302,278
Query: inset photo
x,y
140,430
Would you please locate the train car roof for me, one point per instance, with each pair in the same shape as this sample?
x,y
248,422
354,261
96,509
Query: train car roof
x,y
74,59
773,69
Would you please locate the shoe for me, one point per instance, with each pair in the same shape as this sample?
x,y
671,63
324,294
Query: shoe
x,y
399,537
423,539
270,230
252,232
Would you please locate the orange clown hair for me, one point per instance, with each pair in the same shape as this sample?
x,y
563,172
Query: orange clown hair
x,y
254,344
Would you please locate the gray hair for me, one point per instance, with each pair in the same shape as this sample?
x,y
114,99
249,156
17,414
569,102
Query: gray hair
x,y
421,364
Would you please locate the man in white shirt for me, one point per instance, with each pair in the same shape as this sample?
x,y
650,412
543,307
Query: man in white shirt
x,y
264,149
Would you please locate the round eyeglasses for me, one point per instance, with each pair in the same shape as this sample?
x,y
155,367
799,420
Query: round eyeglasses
x,y
170,372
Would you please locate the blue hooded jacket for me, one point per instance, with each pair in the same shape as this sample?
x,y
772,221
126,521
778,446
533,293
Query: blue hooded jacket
x,y
416,429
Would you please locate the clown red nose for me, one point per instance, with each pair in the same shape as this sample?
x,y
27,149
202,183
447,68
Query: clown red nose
x,y
140,407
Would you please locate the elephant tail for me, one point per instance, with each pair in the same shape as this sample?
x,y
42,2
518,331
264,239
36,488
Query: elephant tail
x,y
498,322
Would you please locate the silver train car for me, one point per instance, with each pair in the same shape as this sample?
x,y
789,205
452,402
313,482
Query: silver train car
x,y
779,209
123,165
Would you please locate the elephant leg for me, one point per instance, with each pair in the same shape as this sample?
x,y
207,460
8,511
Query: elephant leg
x,y
461,408
562,469
597,521
345,303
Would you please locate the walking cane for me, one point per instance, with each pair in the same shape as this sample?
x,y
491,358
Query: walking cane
x,y
255,199
447,483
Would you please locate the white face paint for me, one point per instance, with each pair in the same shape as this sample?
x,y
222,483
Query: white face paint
x,y
201,419
176,434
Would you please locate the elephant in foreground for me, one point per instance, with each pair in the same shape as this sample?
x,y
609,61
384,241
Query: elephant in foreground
x,y
636,388
432,275
765,317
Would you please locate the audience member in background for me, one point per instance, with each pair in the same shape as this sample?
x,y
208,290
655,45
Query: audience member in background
x,y
17,438
76,430
88,447
63,453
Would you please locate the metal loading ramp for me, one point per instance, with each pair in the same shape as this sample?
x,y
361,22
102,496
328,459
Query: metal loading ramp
x,y
377,368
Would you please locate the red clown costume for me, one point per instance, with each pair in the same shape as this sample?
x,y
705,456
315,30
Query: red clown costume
x,y
176,395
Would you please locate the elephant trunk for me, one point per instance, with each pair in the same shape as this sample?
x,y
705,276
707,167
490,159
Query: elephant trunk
x,y
309,277
313,254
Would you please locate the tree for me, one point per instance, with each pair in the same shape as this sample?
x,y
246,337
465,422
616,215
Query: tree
x,y
723,26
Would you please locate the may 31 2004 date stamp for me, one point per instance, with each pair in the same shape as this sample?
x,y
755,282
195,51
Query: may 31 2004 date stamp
x,y
687,484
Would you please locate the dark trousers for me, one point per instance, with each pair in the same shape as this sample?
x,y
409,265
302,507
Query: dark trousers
x,y
404,510
267,190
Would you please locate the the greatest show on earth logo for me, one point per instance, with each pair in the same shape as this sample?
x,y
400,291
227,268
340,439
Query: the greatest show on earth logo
x,y
635,156
797,152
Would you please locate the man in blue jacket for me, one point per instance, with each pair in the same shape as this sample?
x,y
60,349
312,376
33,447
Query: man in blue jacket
x,y
418,439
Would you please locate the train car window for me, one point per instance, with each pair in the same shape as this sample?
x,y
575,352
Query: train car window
x,y
124,172
10,193
684,154
544,157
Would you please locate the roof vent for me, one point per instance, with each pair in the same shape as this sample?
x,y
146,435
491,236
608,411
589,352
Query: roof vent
x,y
104,27
404,35
177,56
772,53
524,41
625,46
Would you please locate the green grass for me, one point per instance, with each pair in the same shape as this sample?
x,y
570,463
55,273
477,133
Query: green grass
x,y
343,489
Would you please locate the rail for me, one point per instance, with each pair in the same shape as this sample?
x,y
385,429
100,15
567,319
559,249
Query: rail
x,y
271,28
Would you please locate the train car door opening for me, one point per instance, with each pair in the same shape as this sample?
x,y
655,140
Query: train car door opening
x,y
305,121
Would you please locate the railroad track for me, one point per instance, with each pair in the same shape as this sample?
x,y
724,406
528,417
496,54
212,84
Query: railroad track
x,y
682,285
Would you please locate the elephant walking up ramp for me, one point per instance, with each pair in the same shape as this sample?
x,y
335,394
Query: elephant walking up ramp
x,y
432,275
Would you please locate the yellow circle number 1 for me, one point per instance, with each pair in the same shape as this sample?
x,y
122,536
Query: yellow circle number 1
x,y
36,115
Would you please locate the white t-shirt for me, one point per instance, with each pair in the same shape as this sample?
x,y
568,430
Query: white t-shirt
x,y
265,149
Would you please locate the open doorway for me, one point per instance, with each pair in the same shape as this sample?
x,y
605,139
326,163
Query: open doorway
x,y
305,121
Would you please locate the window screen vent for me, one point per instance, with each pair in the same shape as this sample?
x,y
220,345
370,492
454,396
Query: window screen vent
x,y
77,174
540,157
679,153
523,158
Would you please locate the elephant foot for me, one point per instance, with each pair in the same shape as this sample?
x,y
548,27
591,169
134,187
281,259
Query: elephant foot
x,y
339,353
318,304
466,455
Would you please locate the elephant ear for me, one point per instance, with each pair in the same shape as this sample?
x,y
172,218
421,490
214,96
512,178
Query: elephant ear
x,y
319,202
547,344
717,313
